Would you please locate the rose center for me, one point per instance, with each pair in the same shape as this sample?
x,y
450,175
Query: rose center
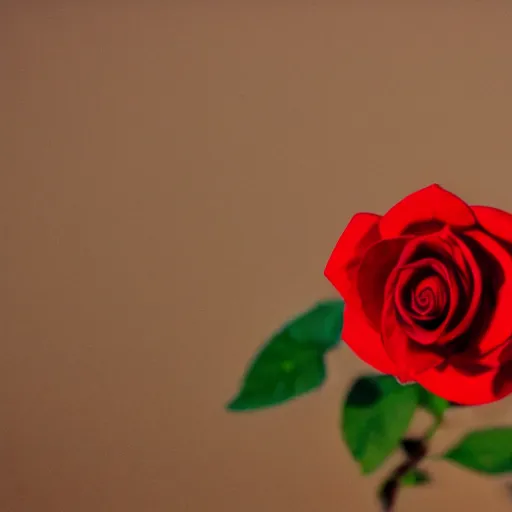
x,y
426,297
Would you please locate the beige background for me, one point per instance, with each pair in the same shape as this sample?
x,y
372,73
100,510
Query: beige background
x,y
173,180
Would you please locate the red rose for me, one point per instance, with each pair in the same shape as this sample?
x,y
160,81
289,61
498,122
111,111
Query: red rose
x,y
428,293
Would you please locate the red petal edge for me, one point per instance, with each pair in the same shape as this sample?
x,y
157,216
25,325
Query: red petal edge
x,y
360,233
496,222
432,203
455,386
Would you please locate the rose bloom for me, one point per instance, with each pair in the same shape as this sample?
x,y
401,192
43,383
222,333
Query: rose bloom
x,y
428,294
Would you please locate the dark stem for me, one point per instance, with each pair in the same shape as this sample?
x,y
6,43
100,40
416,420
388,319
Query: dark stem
x,y
416,450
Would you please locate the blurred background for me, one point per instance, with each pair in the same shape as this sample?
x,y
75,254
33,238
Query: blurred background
x,y
174,177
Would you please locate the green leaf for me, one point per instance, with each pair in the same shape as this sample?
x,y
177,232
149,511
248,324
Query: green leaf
x,y
321,325
486,451
433,404
291,363
415,477
376,415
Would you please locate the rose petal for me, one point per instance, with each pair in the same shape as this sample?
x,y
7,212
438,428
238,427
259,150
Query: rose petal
x,y
364,341
373,273
491,359
432,203
500,323
496,222
341,268
463,388
409,358
471,278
